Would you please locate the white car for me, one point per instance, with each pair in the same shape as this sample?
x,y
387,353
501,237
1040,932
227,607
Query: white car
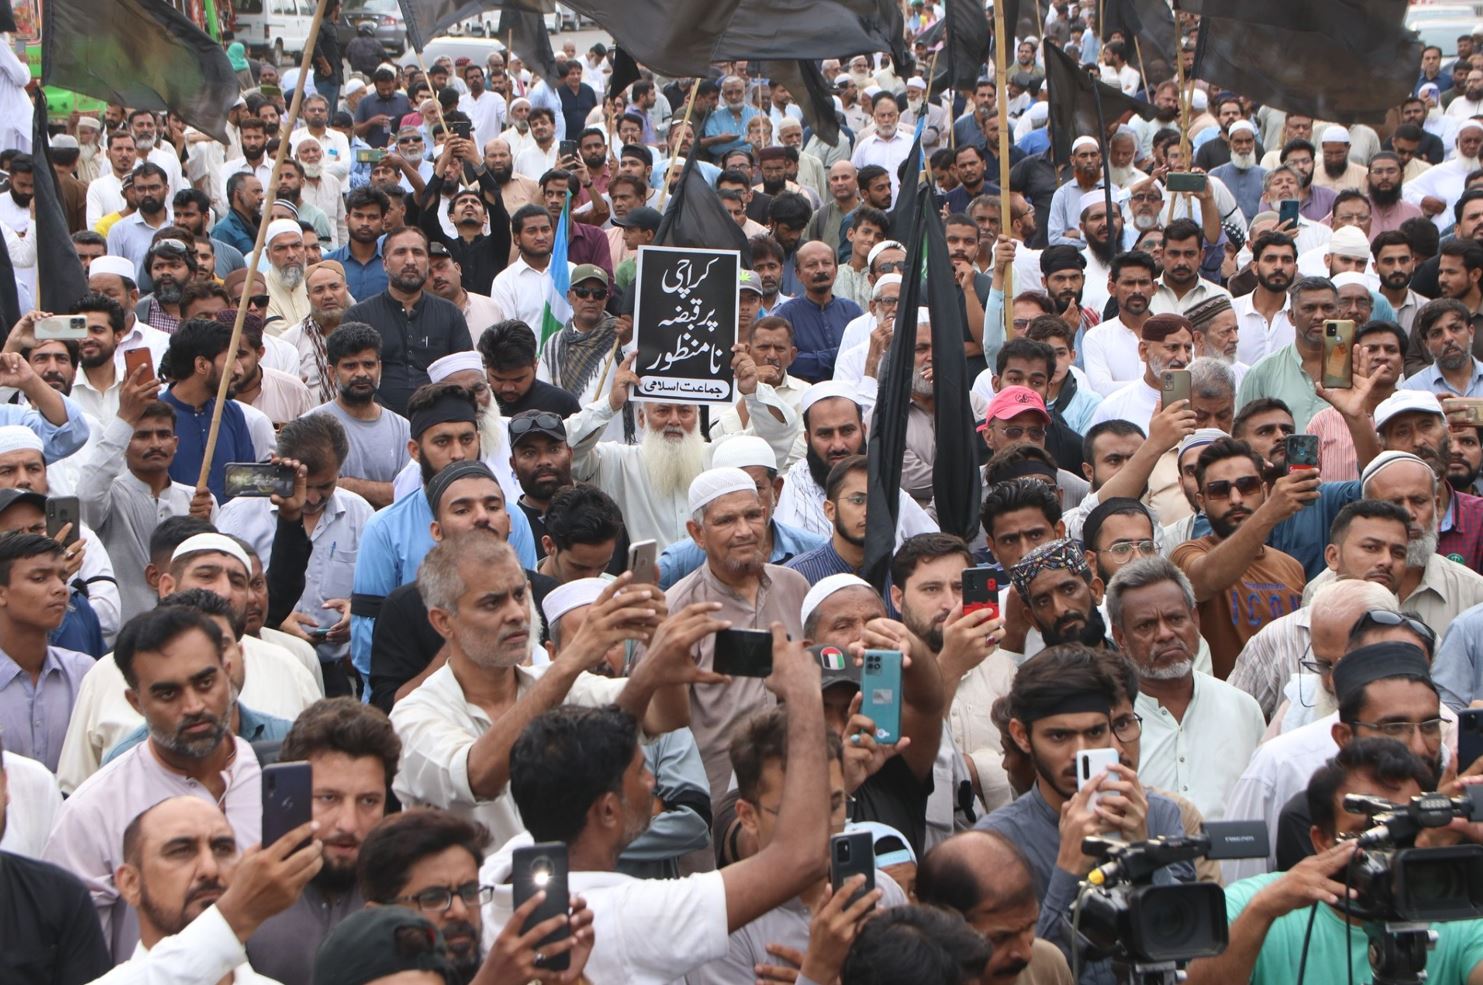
x,y
476,49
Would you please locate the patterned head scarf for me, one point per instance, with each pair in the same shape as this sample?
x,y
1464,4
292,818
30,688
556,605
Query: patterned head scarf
x,y
1063,554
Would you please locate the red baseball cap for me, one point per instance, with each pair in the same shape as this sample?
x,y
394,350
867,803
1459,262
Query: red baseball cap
x,y
1013,401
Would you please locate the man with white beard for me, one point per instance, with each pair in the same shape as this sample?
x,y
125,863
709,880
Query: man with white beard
x,y
1241,175
288,298
1437,189
467,370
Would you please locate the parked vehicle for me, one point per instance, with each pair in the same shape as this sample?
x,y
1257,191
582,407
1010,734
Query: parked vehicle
x,y
383,15
276,29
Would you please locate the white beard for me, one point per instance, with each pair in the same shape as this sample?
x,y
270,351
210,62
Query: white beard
x,y
1469,163
491,430
1243,162
1122,175
672,465
292,276
1417,551
1324,704
1168,672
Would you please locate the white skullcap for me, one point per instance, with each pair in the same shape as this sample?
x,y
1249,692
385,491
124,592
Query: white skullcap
x,y
278,227
881,247
916,82
18,437
354,86
826,587
456,362
1096,196
741,451
1083,141
712,484
1199,438
1388,458
1349,241
1334,135
571,595
514,103
1469,125
1199,100
216,543
1241,126
92,123
1351,277
825,390
118,266
1038,112
884,281
870,91
843,79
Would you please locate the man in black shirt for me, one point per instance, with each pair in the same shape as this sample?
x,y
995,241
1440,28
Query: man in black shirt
x,y
583,535
405,649
417,328
47,920
509,351
479,255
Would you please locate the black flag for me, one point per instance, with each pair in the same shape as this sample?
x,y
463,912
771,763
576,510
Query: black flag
x,y
806,84
139,53
965,28
1358,25
531,41
1074,95
10,302
1347,85
1148,26
696,219
60,281
625,72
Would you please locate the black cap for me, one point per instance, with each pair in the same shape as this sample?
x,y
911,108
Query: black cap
x,y
379,942
532,422
641,217
9,497
835,666
437,249
1379,662
438,484
1054,258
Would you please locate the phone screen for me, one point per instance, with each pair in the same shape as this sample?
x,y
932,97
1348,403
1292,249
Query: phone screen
x,y
743,653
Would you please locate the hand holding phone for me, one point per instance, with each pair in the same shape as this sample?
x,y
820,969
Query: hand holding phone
x,y
980,591
134,358
880,689
1301,450
643,562
1090,764
288,798
62,511
543,868
852,854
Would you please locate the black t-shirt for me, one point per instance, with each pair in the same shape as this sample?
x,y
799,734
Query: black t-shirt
x,y
49,926
404,642
543,396
896,797
1294,840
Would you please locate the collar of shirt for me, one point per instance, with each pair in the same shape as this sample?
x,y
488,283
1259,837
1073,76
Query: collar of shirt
x,y
1434,579
1437,378
253,723
10,670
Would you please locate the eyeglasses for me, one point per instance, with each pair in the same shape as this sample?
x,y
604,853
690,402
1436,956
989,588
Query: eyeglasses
x,y
1431,728
542,421
891,266
1221,488
856,499
1384,617
1123,549
1016,432
436,899
600,293
1127,727
258,301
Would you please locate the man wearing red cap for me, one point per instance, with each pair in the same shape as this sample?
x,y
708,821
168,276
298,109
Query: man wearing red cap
x,y
1017,416
1168,342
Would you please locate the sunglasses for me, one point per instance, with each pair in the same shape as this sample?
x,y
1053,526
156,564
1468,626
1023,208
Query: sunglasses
x,y
542,422
170,246
1221,488
600,293
258,301
891,266
1384,617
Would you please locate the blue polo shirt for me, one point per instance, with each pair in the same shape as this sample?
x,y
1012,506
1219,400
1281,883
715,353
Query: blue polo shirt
x,y
722,120
192,427
362,280
817,332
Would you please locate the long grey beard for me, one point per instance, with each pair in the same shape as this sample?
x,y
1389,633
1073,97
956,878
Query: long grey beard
x,y
291,276
672,465
1422,548
491,434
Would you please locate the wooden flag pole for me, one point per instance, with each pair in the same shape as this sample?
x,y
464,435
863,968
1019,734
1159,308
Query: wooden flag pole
x,y
674,154
1143,72
1001,97
262,234
1185,98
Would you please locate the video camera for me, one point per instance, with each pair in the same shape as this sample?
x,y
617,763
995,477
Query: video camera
x,y
1396,882
1148,930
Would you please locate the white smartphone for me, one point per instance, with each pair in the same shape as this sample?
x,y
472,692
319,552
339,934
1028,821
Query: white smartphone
x,y
1091,762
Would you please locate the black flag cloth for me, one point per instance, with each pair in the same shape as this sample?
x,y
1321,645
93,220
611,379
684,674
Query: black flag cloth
x,y
7,26
806,84
1148,26
955,481
1368,65
1073,102
696,219
139,53
531,41
625,72
963,60
59,278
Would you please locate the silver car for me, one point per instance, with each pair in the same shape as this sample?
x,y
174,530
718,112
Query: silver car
x,y
383,15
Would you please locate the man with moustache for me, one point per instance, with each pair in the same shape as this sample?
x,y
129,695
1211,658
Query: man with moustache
x,y
1061,594
770,344
1226,566
1290,373
254,135
819,317
1241,175
1198,731
1446,331
1063,269
1383,184
1436,190
445,279
1070,199
288,300
1099,243
361,255
377,436
479,255
1166,342
353,753
244,200
1412,421
542,462
132,235
171,265
575,357
1112,349
1182,287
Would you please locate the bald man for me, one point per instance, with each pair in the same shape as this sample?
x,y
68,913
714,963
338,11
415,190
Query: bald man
x,y
984,877
819,317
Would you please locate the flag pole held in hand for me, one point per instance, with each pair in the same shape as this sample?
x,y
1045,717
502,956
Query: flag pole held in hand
x,y
262,233
1001,97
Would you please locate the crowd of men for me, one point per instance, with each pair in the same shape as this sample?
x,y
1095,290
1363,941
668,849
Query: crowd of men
x,y
483,608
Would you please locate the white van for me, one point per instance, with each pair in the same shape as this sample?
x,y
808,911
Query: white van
x,y
275,29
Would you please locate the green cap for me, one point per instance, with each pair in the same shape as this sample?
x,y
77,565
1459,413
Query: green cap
x,y
589,271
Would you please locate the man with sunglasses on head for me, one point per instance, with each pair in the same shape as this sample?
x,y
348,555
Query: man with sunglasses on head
x,y
171,265
575,357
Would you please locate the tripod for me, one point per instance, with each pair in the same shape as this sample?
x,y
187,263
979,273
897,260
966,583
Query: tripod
x,y
1398,952
1148,972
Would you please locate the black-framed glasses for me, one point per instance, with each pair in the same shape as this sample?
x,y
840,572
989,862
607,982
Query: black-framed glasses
x,y
542,421
600,293
1127,727
258,301
1430,728
1247,485
437,899
1123,549
1384,617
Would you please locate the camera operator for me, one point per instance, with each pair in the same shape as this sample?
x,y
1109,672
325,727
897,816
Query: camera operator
x,y
1276,918
1060,703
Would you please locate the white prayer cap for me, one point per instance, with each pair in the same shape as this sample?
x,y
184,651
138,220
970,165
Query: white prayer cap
x,y
883,282
517,101
1469,125
843,79
1241,126
1083,141
1199,101
741,451
216,543
869,92
826,587
1038,112
118,266
825,390
712,484
571,595
916,82
18,437
1349,241
1334,135
1354,277
456,362
1096,196
354,86
881,247
1388,458
278,227
64,141
92,123
1199,439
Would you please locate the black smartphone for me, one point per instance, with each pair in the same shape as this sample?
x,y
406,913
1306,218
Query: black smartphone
x,y
566,148
743,653
1287,212
1175,386
850,854
462,128
288,799
1469,737
980,591
543,866
259,479
643,559
60,511
1302,451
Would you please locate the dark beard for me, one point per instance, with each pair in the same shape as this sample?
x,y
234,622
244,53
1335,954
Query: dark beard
x,y
773,187
168,292
150,205
333,880
1102,249
1463,483
1092,633
817,467
24,201
502,175
1223,528
1329,169
1385,197
408,283
845,535
1274,285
